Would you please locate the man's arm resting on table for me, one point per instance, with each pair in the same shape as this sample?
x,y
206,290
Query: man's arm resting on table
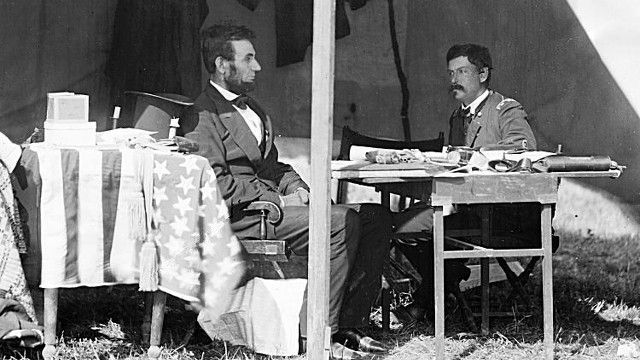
x,y
514,127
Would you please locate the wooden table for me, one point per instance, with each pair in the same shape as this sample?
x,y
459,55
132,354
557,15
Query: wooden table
x,y
442,188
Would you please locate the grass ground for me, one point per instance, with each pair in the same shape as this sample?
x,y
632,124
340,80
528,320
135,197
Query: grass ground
x,y
596,291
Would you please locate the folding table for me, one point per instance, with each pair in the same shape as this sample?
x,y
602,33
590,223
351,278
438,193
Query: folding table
x,y
443,188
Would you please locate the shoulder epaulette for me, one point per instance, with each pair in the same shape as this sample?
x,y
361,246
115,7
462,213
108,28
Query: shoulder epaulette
x,y
504,101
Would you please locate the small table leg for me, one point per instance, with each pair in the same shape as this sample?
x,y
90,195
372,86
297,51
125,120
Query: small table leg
x,y
50,321
487,231
547,280
146,319
386,303
157,318
438,278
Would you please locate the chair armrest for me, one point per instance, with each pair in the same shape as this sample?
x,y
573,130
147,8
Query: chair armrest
x,y
266,250
270,209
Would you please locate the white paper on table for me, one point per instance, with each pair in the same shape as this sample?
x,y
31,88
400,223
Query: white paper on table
x,y
358,152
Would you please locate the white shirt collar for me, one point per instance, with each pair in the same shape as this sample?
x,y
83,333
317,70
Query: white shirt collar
x,y
229,95
475,103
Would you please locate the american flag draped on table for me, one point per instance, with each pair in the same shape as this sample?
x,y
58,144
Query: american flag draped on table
x,y
93,221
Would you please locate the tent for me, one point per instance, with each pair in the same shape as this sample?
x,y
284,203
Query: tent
x,y
570,63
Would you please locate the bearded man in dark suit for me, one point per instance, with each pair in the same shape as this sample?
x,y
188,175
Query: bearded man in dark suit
x,y
235,135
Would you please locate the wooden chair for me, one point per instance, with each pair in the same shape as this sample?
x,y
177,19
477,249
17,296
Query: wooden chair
x,y
351,138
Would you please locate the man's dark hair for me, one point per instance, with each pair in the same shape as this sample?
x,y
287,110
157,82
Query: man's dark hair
x,y
216,41
478,55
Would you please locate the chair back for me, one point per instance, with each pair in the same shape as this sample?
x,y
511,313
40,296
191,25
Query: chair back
x,y
351,137
154,112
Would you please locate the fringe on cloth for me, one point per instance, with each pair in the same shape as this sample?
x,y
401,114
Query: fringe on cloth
x,y
137,217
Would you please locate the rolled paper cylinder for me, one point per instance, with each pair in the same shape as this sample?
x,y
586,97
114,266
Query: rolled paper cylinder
x,y
560,163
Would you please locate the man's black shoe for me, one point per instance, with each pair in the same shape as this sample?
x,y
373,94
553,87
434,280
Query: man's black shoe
x,y
356,340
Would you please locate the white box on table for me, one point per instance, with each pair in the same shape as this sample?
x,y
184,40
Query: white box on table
x,y
70,134
67,107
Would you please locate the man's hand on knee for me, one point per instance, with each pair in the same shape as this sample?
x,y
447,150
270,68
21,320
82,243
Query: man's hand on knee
x,y
298,198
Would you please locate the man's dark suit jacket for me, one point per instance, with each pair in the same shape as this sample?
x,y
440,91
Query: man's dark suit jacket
x,y
244,173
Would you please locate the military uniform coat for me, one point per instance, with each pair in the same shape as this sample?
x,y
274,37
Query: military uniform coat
x,y
498,121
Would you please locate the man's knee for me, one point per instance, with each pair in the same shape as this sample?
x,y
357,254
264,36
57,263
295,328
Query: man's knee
x,y
416,218
375,214
344,219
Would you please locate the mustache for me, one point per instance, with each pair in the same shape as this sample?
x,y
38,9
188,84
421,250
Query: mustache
x,y
455,87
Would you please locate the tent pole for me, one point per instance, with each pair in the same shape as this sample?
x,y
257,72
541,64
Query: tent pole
x,y
318,332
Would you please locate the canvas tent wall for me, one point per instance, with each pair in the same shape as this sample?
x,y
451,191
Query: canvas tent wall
x,y
543,57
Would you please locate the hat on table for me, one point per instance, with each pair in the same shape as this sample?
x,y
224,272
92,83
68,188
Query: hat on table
x,y
154,112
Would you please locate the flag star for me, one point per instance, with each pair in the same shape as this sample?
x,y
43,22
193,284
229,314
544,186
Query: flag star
x,y
216,227
227,264
167,274
160,169
208,247
189,278
190,163
234,245
192,260
223,211
182,205
160,194
186,184
179,225
202,210
208,191
157,216
174,245
169,268
218,280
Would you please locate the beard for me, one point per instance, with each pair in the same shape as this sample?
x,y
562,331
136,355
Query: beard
x,y
235,83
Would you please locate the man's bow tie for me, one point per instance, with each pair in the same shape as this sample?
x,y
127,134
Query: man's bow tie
x,y
465,112
241,101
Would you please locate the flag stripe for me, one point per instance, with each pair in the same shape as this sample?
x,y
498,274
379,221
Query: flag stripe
x,y
111,173
69,159
130,221
90,243
53,232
